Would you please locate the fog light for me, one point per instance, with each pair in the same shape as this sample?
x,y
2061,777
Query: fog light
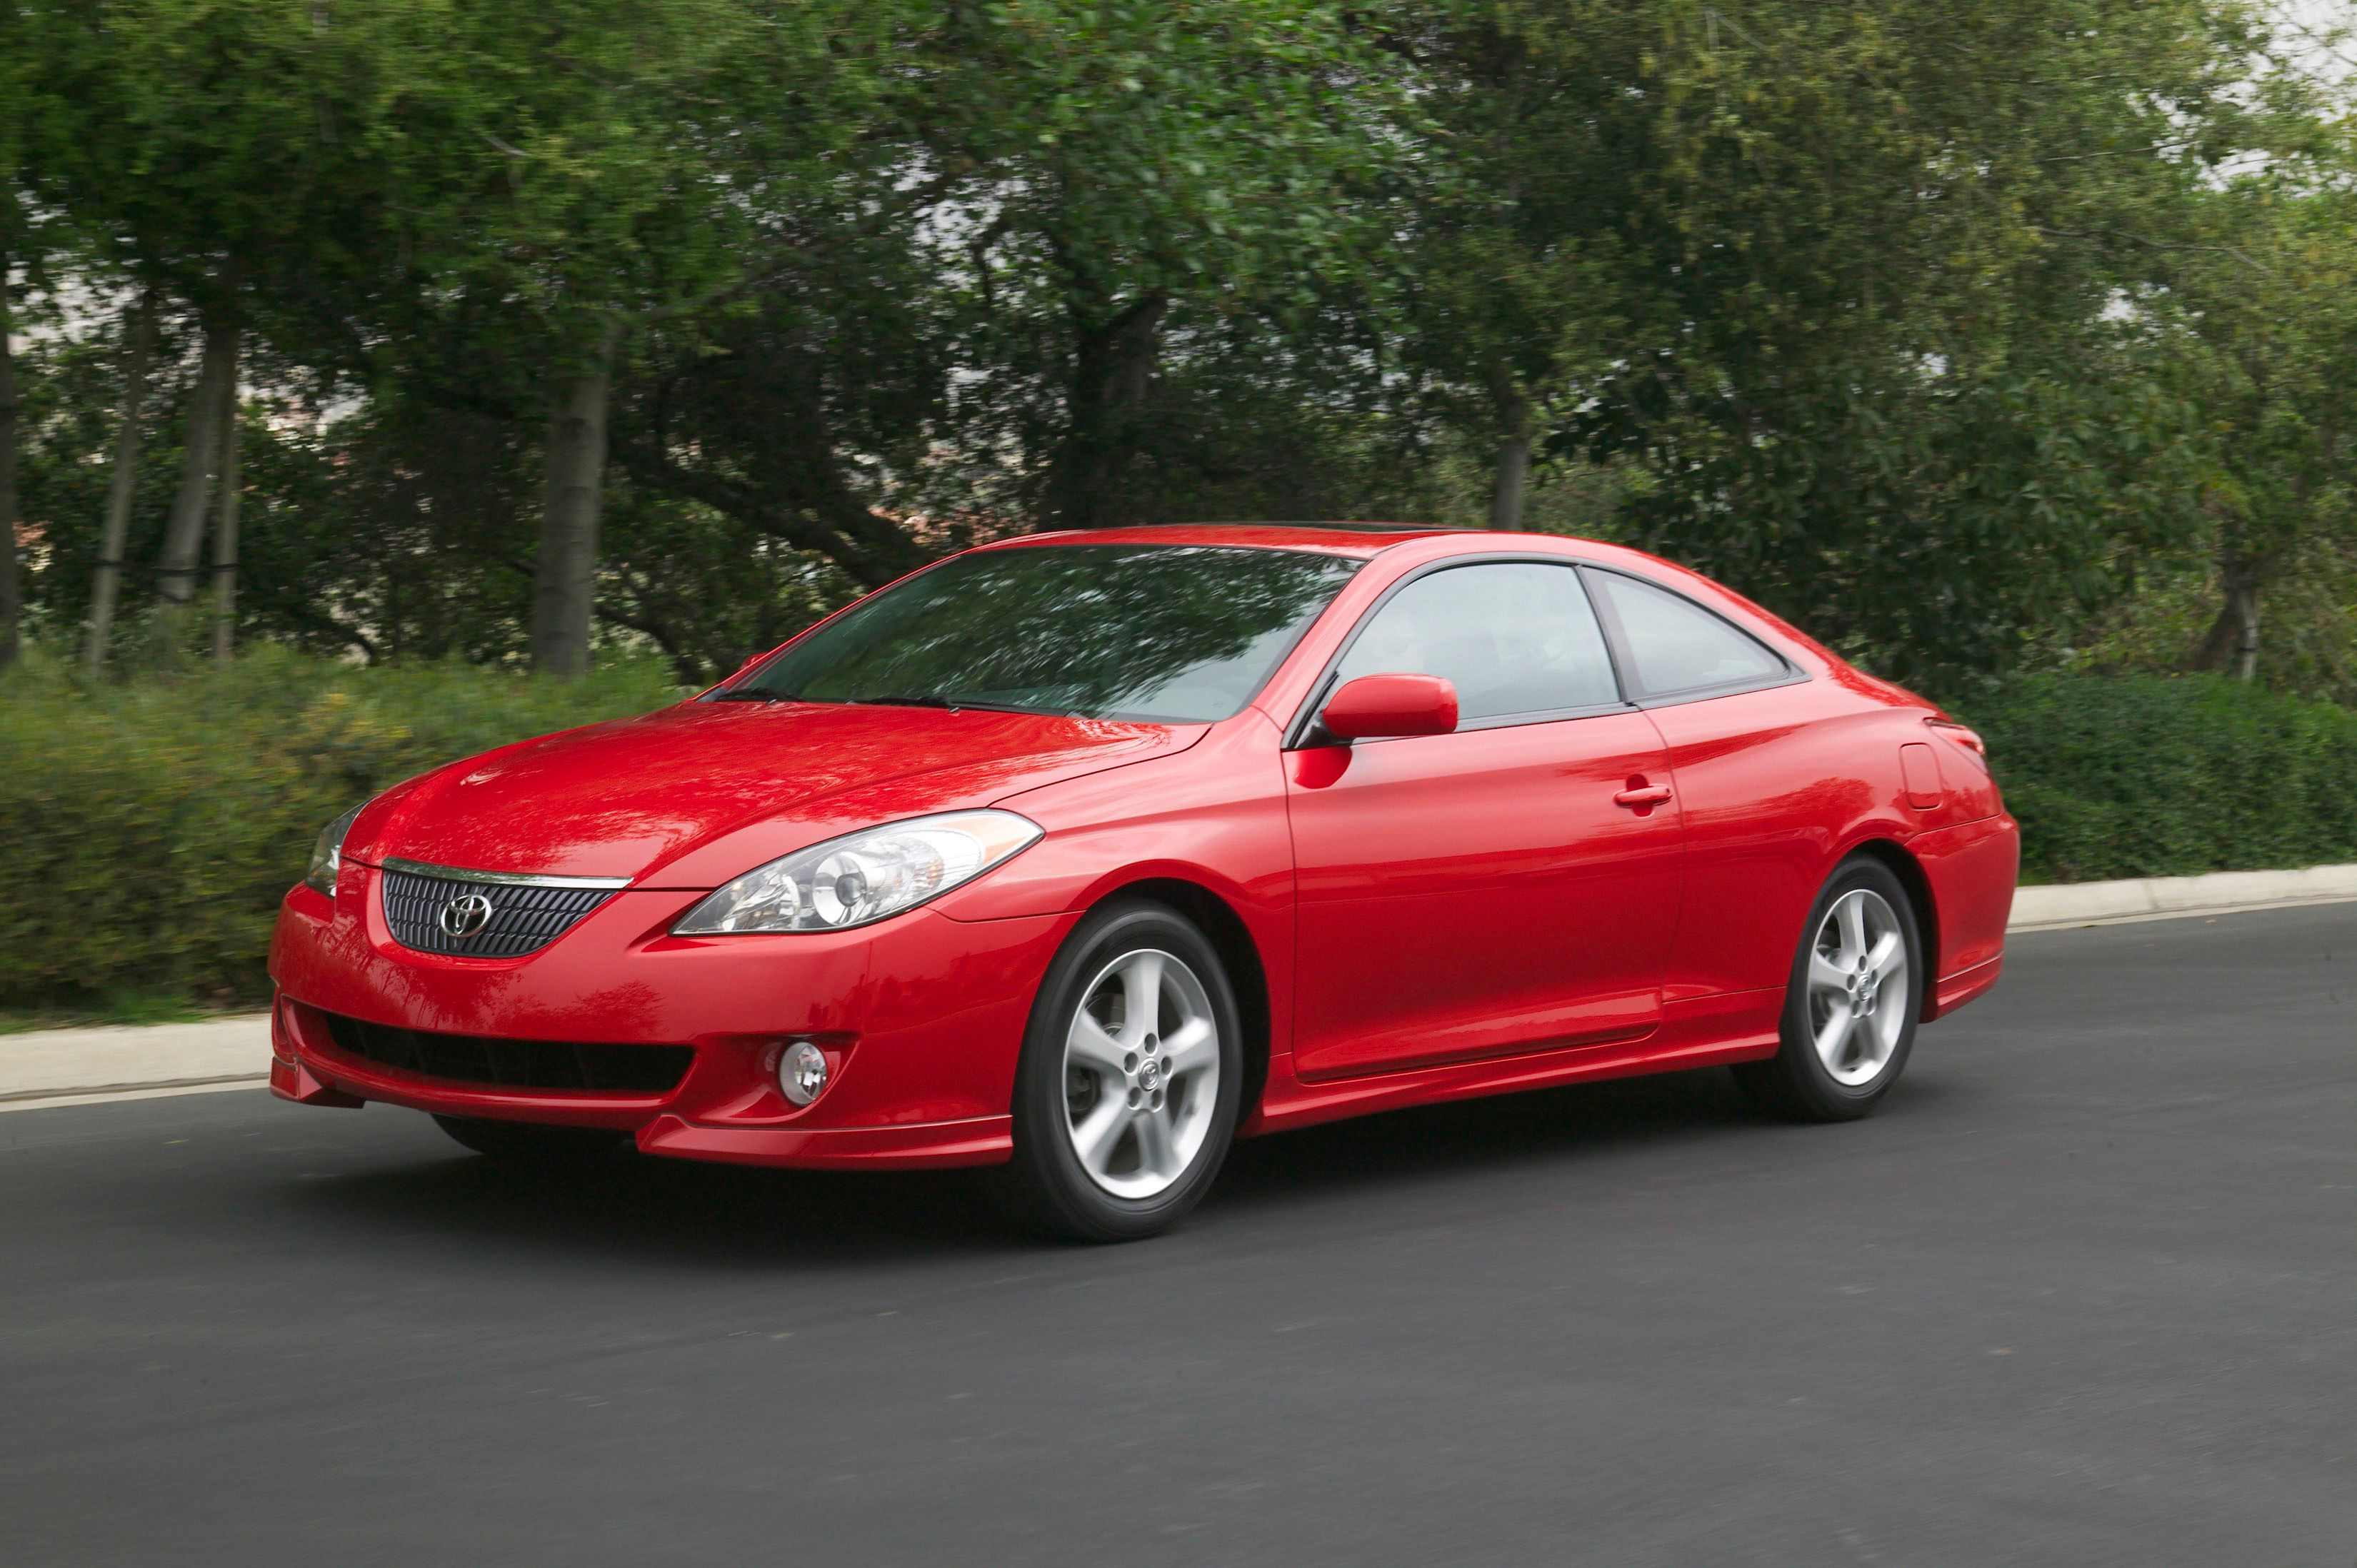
x,y
802,1072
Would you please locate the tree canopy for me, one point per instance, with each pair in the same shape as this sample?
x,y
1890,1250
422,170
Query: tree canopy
x,y
1964,333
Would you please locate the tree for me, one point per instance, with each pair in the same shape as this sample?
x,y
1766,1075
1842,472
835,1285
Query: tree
x,y
212,408
2270,309
1154,168
678,322
600,172
225,524
210,155
114,532
13,235
1877,257
11,593
1514,293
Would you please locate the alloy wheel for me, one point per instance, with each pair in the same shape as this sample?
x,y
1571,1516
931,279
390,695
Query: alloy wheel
x,y
1859,991
1141,1073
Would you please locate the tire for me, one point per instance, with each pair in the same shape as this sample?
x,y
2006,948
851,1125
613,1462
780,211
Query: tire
x,y
1151,1100
1838,1069
531,1143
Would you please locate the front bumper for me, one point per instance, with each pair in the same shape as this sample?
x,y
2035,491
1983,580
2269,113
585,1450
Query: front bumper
x,y
921,1017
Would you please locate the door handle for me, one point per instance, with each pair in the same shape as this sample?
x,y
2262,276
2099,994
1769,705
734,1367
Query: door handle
x,y
1642,795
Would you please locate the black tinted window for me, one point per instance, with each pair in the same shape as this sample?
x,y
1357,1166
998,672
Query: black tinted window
x,y
1514,637
1678,646
1181,634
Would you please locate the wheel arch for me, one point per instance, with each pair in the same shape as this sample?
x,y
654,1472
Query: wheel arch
x,y
1910,871
1232,941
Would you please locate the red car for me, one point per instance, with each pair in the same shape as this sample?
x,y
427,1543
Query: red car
x,y
1081,854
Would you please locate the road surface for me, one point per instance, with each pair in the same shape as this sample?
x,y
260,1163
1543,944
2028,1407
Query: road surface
x,y
2086,1291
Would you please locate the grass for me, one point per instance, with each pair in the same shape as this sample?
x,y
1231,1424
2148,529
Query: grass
x,y
132,1007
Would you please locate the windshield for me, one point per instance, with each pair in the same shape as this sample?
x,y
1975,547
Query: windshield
x,y
1173,634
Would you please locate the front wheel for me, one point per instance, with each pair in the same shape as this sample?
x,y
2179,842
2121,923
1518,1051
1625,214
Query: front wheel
x,y
1133,1066
1851,1009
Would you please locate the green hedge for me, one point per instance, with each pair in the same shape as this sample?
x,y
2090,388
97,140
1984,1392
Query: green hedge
x,y
150,828
2151,775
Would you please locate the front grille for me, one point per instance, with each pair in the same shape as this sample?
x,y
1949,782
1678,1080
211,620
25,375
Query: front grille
x,y
515,1064
524,918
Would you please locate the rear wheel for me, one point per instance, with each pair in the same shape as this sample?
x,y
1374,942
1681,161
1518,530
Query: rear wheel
x,y
1125,1098
530,1143
1851,1009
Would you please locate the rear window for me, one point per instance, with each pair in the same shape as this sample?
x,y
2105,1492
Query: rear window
x,y
1679,646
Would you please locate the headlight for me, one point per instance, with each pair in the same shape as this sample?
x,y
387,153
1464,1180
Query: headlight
x,y
327,852
861,878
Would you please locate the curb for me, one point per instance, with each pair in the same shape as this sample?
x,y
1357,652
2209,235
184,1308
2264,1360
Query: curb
x,y
2170,897
50,1068
53,1066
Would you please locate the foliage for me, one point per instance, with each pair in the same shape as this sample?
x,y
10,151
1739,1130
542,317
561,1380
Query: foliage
x,y
1941,328
1890,371
2310,631
2268,353
2147,776
153,825
2256,336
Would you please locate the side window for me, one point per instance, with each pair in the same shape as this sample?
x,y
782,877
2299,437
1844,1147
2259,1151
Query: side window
x,y
1678,646
1516,638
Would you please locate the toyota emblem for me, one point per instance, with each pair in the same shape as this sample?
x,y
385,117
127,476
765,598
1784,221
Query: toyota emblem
x,y
464,916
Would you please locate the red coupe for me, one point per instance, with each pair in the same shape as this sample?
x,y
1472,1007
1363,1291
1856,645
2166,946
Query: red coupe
x,y
1081,855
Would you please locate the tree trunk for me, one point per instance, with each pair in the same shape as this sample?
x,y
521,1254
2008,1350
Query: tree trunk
x,y
1513,471
2209,652
225,541
564,578
1112,369
11,600
2243,604
2231,644
106,582
209,406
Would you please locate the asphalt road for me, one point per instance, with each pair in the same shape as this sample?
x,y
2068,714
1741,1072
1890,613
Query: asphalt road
x,y
2086,1292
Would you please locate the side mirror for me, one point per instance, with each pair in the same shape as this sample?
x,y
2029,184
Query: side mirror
x,y
1374,707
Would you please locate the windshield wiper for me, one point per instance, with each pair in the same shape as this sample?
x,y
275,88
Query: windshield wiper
x,y
933,700
895,700
744,695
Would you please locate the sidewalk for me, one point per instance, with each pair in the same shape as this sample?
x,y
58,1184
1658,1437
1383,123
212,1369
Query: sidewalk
x,y
2167,897
78,1066
68,1067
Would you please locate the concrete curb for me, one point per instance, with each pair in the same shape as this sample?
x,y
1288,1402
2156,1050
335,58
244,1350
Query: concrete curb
x,y
44,1066
2170,897
82,1067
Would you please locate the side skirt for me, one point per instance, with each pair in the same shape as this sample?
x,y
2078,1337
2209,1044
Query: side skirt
x,y
1709,1031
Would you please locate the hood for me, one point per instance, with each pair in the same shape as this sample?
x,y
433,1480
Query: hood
x,y
692,795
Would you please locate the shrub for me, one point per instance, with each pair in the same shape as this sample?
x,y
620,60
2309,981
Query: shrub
x,y
151,827
2154,776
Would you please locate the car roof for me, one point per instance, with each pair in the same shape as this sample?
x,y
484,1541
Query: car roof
x,y
1358,539
1364,540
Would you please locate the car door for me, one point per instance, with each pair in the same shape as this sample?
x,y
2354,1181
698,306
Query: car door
x,y
1763,768
1508,887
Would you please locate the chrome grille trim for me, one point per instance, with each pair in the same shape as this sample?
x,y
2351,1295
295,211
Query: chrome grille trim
x,y
522,919
499,878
